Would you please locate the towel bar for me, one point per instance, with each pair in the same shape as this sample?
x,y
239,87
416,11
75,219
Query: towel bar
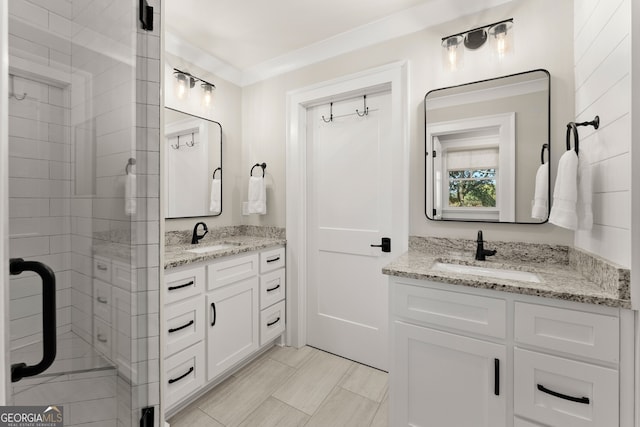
x,y
130,163
572,127
544,147
216,170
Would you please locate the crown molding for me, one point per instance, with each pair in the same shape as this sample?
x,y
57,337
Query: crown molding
x,y
395,25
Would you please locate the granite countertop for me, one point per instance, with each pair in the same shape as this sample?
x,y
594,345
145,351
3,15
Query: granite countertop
x,y
176,253
565,273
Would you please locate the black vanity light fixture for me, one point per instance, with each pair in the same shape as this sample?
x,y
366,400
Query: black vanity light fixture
x,y
186,81
499,34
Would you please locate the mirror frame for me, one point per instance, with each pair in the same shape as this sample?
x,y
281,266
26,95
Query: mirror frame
x,y
221,168
427,157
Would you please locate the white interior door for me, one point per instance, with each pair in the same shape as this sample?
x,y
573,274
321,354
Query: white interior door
x,y
349,196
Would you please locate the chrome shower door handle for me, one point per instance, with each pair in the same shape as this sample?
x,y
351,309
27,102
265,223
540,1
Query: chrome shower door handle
x,y
17,266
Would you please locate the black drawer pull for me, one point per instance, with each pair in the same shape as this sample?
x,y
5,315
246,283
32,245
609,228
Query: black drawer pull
x,y
274,322
496,377
101,338
102,267
102,300
274,259
213,309
543,389
172,330
173,380
173,288
274,288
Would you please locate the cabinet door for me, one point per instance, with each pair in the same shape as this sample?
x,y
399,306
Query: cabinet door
x,y
232,320
443,379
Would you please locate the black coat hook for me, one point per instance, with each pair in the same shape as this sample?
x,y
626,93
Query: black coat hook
x,y
366,109
330,115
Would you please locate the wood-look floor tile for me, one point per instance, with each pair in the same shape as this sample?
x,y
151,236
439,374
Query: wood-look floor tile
x,y
344,408
274,413
382,416
292,356
312,383
365,381
231,403
193,417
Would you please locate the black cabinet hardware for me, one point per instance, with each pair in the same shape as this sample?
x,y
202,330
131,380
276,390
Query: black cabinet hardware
x,y
274,288
17,266
101,338
102,300
213,310
173,380
102,267
274,322
496,377
584,400
385,245
173,288
179,328
274,259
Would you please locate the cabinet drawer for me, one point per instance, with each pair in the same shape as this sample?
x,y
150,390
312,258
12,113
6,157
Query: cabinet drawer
x,y
184,373
183,284
568,331
232,270
564,393
465,312
272,288
184,324
102,300
102,268
102,336
519,422
271,259
272,322
121,275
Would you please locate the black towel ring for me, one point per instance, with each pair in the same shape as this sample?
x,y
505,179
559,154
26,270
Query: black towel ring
x,y
262,165
544,147
130,163
571,127
216,170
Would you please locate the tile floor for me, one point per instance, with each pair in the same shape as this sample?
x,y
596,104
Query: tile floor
x,y
289,387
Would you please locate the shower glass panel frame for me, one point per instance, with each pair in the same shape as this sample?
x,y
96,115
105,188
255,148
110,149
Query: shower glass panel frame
x,y
83,176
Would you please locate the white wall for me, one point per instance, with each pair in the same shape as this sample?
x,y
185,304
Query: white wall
x,y
602,55
263,112
226,110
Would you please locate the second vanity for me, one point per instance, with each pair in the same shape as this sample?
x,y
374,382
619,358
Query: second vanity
x,y
508,341
224,303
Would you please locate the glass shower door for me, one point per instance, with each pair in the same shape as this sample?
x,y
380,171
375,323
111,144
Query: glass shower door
x,y
83,203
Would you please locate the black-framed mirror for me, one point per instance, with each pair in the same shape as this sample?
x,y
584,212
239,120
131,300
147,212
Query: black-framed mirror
x,y
485,146
193,165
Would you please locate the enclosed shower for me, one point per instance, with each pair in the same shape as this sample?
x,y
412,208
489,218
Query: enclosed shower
x,y
84,88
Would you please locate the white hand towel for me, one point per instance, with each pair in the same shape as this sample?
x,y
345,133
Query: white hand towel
x,y
585,214
540,204
130,194
257,195
565,192
215,205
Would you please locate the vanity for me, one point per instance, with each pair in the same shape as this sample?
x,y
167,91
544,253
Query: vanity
x,y
224,304
539,335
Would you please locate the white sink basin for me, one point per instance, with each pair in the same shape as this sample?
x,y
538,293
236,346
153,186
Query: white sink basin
x,y
212,248
496,273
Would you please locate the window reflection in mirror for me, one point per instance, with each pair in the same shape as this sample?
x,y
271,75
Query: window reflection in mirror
x,y
482,147
193,153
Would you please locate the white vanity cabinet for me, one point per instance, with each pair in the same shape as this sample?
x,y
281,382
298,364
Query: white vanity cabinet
x,y
471,357
216,316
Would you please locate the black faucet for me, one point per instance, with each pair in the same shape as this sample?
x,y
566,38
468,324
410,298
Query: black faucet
x,y
196,237
481,252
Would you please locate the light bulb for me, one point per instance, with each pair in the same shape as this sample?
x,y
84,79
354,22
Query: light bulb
x,y
502,39
182,86
207,94
452,53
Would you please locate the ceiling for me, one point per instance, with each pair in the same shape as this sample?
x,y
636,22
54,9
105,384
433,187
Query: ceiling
x,y
244,33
